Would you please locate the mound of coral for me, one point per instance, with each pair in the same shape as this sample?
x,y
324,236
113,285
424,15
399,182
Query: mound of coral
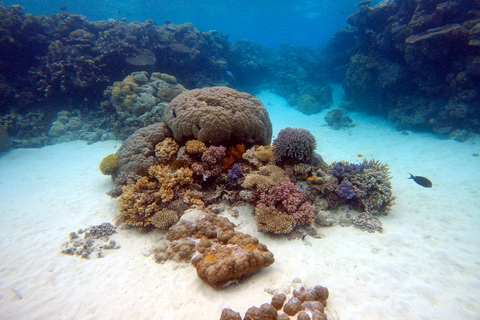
x,y
304,303
220,255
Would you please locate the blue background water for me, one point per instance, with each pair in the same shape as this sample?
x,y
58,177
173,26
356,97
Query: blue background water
x,y
268,22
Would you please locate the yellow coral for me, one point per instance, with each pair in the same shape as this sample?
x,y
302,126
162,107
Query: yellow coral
x,y
166,151
260,155
195,147
170,179
109,164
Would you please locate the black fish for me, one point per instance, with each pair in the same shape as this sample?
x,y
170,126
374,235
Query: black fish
x,y
424,182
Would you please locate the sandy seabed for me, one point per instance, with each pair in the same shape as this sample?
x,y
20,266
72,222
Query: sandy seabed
x,y
426,264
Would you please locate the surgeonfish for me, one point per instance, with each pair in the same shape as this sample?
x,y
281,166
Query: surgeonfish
x,y
424,182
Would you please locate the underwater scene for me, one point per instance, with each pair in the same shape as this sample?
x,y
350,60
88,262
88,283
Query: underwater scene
x,y
240,159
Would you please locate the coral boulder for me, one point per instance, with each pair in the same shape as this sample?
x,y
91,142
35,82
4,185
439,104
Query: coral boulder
x,y
219,115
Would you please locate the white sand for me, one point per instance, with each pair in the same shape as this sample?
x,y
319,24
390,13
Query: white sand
x,y
426,264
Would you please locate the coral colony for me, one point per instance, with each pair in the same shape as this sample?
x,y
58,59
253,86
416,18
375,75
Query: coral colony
x,y
213,147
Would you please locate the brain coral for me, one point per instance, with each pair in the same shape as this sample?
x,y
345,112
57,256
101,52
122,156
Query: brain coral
x,y
219,115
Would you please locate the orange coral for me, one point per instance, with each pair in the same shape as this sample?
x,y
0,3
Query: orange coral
x,y
234,155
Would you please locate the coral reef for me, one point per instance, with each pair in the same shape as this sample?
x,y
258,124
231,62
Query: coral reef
x,y
304,303
172,181
337,119
109,165
294,144
264,178
219,115
139,100
212,163
166,151
84,247
261,155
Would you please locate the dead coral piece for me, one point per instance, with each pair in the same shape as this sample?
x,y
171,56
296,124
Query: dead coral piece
x,y
166,151
219,115
435,32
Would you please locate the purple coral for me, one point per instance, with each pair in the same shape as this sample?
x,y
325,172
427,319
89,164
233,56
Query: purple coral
x,y
345,190
348,170
236,172
286,197
295,143
212,162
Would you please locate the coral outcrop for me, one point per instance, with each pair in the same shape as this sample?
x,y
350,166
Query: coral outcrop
x,y
219,115
223,256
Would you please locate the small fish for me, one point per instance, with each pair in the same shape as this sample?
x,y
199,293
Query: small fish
x,y
173,171
229,72
63,8
424,182
311,179
359,155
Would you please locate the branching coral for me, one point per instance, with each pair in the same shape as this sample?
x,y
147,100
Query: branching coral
x,y
295,144
211,165
288,199
234,155
172,180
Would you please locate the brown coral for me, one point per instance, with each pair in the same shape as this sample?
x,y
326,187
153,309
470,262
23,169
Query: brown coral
x,y
260,155
166,151
164,219
170,180
234,155
266,177
219,115
137,153
270,219
195,147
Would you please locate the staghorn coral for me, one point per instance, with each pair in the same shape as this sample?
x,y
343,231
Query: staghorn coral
x,y
264,178
166,151
294,144
109,165
269,219
171,180
219,115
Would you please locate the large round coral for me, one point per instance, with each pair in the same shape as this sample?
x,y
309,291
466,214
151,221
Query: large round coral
x,y
293,143
219,115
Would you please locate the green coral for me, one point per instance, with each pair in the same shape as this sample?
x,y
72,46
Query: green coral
x,y
109,164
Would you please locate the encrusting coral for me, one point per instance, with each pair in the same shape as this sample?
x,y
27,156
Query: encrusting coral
x,y
269,219
219,115
264,178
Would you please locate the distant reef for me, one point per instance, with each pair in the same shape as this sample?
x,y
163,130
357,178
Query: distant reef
x,y
416,62
61,77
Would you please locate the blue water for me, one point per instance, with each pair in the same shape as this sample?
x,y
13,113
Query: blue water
x,y
271,23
